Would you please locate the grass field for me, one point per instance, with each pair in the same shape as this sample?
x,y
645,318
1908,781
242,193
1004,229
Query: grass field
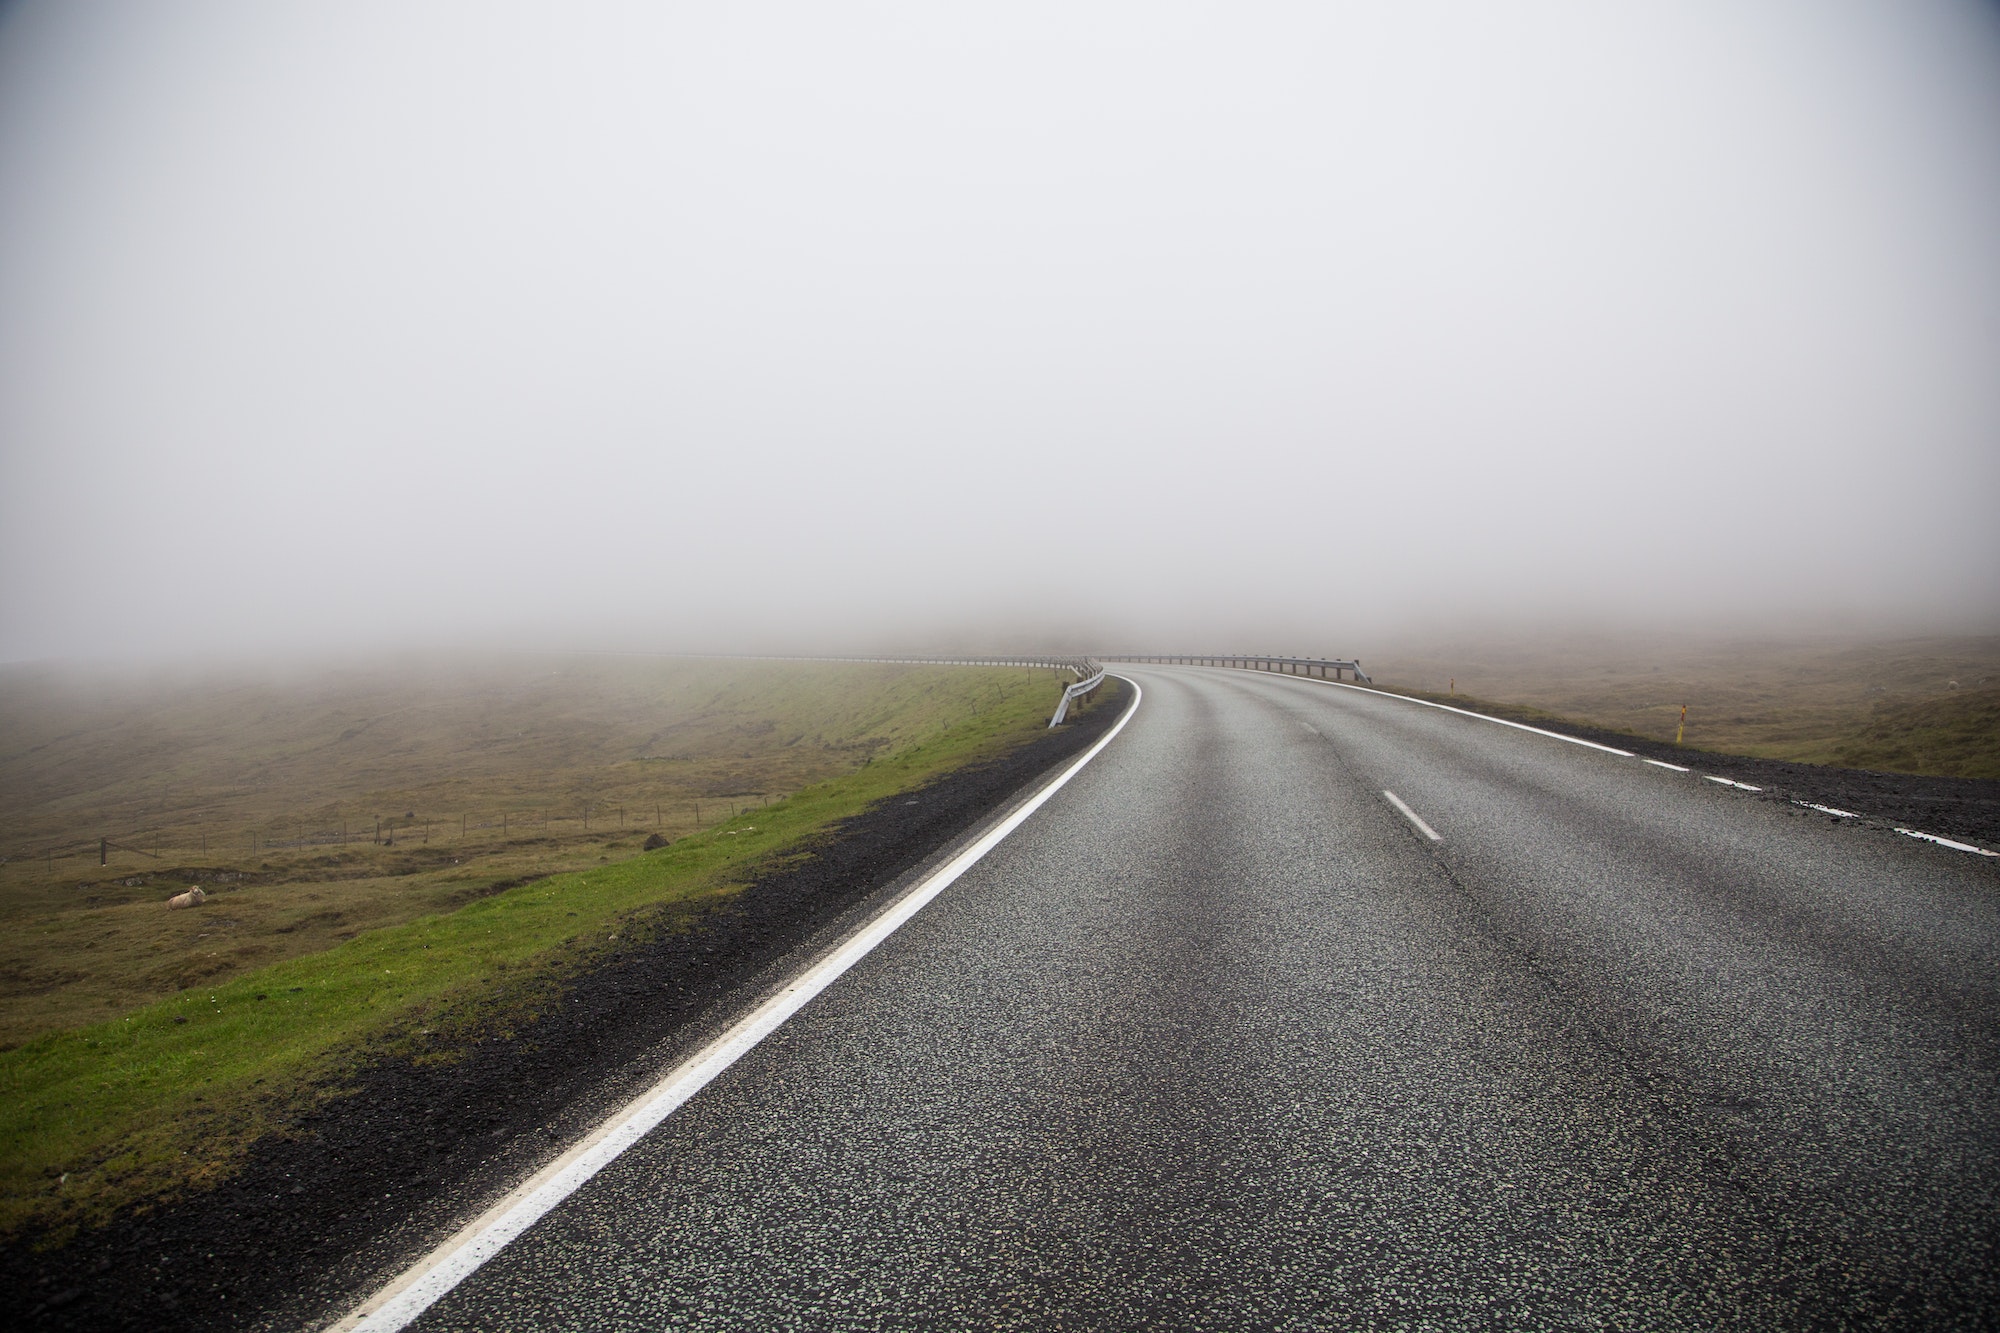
x,y
482,775
1928,706
215,1025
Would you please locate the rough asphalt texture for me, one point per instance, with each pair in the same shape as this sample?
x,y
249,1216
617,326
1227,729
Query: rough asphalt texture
x,y
1217,1039
372,1180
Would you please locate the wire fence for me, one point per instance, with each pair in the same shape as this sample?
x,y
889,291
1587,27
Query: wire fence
x,y
161,844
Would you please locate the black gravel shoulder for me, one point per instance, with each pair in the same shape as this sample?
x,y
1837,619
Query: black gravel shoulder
x,y
1965,808
369,1181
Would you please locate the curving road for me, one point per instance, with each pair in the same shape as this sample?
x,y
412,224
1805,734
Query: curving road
x,y
1221,1038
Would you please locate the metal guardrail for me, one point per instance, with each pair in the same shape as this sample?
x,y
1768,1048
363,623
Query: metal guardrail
x,y
1082,666
1326,668
1089,675
1071,693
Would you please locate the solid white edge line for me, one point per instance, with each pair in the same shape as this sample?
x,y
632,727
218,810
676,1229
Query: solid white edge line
x,y
1577,740
420,1286
1946,842
1462,712
1412,816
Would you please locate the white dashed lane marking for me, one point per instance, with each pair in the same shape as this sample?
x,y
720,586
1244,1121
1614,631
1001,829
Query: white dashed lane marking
x,y
1413,817
1577,740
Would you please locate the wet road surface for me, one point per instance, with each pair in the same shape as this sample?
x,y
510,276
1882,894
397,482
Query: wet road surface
x,y
1222,1037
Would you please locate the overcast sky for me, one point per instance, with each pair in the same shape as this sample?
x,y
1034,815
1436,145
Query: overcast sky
x,y
1095,325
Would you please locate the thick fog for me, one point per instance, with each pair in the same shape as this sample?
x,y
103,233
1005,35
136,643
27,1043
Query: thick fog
x,y
798,326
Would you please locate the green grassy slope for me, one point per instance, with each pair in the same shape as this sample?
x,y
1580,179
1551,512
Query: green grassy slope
x,y
96,1118
487,774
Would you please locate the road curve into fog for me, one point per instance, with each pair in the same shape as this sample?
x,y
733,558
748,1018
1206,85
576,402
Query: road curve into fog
x,y
1221,1038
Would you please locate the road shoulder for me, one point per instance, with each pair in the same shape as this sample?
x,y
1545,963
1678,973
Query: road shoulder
x,y
371,1178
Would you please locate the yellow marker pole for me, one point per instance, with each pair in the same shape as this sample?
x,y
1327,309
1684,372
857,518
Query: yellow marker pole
x,y
1682,728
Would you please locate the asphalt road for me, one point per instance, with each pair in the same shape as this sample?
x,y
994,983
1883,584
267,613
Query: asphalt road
x,y
1219,1038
